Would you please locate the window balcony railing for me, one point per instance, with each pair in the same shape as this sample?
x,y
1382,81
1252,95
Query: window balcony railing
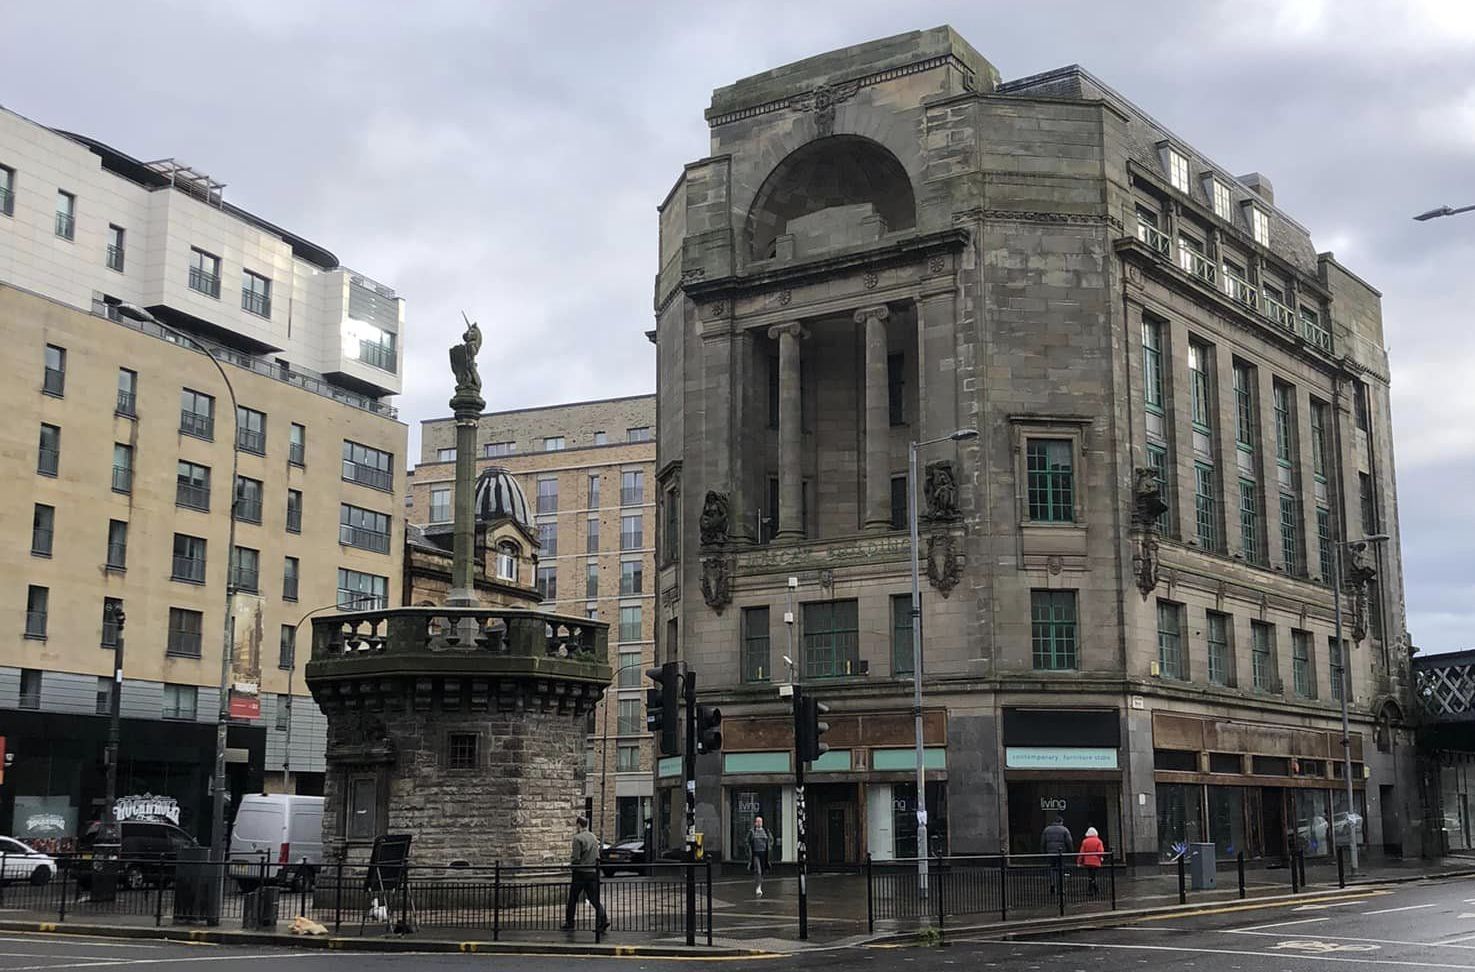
x,y
244,579
115,258
117,555
258,304
35,624
127,404
105,700
352,536
1316,334
7,202
205,283
1278,312
54,382
356,472
377,355
190,569
66,226
1240,290
289,588
631,496
1154,237
251,440
197,425
248,510
192,497
122,479
631,584
296,454
47,461
42,540
294,521
182,644
1198,265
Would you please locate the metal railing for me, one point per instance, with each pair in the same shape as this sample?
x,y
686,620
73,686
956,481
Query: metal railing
x,y
29,700
296,453
493,900
307,381
256,303
41,540
631,541
191,496
357,472
248,510
1154,237
1198,265
115,258
205,283
251,440
363,538
35,624
122,479
7,202
127,404
197,425
294,519
188,569
54,382
380,356
47,461
117,555
1278,312
245,579
66,225
1239,289
289,588
440,512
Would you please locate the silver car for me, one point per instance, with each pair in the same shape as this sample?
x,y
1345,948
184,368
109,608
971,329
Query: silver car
x,y
18,862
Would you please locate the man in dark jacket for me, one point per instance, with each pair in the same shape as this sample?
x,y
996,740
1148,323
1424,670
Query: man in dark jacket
x,y
1056,839
759,841
584,877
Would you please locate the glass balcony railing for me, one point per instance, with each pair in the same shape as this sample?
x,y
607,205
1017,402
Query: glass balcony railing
x,y
380,356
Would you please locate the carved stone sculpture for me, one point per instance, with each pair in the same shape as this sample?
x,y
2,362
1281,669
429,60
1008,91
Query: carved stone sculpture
x,y
1145,563
1147,497
716,582
943,568
940,491
463,359
714,520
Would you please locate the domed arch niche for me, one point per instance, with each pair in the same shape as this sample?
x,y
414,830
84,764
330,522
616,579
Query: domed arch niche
x,y
825,193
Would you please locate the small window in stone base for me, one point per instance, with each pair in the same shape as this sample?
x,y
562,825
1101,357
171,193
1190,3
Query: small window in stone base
x,y
461,751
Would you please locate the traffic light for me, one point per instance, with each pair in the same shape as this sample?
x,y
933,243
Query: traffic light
x,y
709,735
808,729
662,707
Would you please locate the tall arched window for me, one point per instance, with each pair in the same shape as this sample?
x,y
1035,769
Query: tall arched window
x,y
507,561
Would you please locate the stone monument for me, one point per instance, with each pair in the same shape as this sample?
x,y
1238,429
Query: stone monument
x,y
463,726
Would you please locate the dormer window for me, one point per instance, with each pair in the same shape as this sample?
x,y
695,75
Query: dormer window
x,y
507,561
1178,170
1222,204
1260,225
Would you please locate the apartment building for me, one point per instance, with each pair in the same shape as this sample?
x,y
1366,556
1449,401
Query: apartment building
x,y
1150,416
588,471
158,341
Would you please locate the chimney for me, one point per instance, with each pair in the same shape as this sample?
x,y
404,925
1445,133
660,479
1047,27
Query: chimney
x,y
1260,186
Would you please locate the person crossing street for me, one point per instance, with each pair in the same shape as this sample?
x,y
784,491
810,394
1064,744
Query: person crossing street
x,y
584,877
759,842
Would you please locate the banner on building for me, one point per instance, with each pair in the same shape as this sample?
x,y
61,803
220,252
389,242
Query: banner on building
x,y
247,631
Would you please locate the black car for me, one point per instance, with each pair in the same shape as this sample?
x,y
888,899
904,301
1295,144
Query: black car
x,y
150,849
626,855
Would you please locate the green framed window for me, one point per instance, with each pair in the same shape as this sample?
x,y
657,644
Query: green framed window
x,y
1152,363
1170,654
1303,676
1220,658
1336,669
1290,534
831,639
1198,386
901,635
756,665
1249,521
1324,541
1053,630
1244,405
1205,509
1051,480
1285,424
1157,460
1262,655
1318,439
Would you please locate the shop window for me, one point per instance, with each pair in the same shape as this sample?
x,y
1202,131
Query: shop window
x,y
1227,820
1179,818
748,802
1271,766
1180,760
1226,763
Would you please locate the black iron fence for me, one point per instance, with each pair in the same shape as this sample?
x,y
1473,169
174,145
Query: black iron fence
x,y
348,897
990,885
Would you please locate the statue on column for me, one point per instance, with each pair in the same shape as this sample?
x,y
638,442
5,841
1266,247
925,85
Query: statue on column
x,y
940,491
463,360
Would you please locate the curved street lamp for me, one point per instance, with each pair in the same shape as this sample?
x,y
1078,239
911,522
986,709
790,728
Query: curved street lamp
x,y
1443,211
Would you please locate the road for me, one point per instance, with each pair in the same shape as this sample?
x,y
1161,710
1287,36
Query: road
x,y
1418,926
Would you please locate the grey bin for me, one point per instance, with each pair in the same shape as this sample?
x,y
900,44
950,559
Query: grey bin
x,y
196,887
259,909
1202,870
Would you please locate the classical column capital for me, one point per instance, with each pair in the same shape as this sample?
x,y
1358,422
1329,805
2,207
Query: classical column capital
x,y
790,329
878,312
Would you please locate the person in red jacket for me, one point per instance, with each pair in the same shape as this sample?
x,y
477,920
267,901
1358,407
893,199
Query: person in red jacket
x,y
1090,855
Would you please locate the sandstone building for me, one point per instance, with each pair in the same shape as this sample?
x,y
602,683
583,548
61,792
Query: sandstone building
x,y
886,244
117,460
588,471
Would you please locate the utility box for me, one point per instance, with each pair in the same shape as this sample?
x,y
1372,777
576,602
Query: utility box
x,y
259,909
196,887
1202,867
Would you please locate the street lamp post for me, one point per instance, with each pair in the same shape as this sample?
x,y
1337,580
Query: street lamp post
x,y
222,720
291,675
912,517
1346,694
1443,211
110,840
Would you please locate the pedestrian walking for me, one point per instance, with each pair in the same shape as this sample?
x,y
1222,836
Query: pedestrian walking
x,y
1056,840
759,842
1089,857
584,877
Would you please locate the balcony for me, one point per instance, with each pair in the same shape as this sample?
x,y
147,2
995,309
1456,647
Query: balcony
x,y
122,479
115,258
1240,290
197,425
1154,237
206,283
66,226
127,404
191,569
245,579
251,440
1316,334
352,536
256,303
1278,313
357,472
248,510
192,497
376,355
1198,265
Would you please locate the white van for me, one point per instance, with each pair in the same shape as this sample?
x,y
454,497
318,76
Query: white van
x,y
284,830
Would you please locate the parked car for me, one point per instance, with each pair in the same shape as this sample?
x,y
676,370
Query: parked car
x,y
626,855
147,856
283,832
19,862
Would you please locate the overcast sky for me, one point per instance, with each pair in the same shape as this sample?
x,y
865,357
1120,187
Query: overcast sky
x,y
508,158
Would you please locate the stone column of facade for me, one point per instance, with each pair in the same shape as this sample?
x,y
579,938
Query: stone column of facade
x,y
790,435
467,409
878,419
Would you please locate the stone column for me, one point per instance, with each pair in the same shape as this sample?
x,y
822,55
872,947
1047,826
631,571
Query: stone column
x,y
790,435
878,419
467,409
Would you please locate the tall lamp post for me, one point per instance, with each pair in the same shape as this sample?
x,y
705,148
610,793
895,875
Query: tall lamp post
x,y
1346,693
912,517
222,718
355,602
110,841
1443,211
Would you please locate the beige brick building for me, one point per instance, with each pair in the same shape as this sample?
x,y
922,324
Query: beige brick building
x,y
886,244
118,457
588,471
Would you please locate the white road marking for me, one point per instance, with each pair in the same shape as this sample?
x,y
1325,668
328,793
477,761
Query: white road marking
x,y
1283,924
86,941
1389,911
1349,938
1323,907
102,963
1222,951
1316,945
1467,914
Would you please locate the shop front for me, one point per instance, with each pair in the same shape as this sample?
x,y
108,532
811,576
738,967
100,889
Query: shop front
x,y
1062,763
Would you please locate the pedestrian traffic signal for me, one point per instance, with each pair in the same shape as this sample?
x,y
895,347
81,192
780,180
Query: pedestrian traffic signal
x,y
662,707
808,728
709,735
